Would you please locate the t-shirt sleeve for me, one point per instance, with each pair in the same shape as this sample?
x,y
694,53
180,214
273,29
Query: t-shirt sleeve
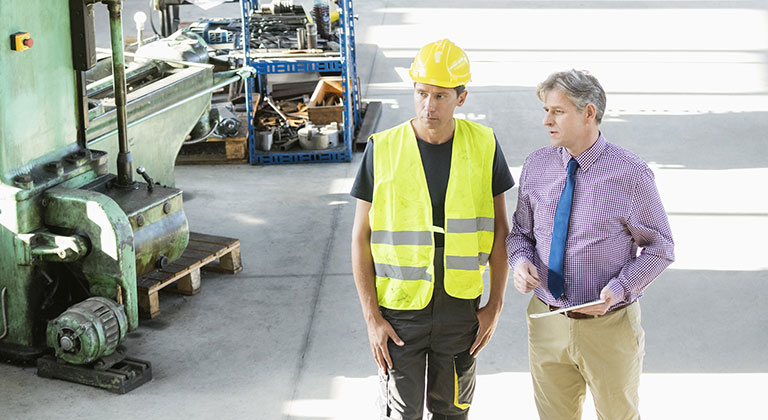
x,y
502,177
363,186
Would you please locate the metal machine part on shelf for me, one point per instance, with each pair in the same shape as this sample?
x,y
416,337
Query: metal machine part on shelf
x,y
217,31
74,224
272,30
318,138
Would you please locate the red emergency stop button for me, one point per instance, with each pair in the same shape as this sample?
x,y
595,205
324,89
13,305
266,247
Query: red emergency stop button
x,y
21,41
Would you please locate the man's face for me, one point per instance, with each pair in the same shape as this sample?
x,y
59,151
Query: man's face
x,y
567,126
435,105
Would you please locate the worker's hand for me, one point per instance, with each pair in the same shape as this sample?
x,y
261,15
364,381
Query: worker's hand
x,y
526,277
610,299
379,333
488,316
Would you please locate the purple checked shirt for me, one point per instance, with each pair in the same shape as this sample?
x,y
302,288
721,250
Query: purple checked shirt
x,y
616,210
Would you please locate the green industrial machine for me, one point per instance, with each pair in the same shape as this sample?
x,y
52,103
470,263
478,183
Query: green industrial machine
x,y
76,229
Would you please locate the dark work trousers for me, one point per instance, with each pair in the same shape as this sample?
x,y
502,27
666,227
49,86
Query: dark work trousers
x,y
437,341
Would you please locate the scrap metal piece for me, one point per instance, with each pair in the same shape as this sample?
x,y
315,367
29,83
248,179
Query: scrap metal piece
x,y
272,104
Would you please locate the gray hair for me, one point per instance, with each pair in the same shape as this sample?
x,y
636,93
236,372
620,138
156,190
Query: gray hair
x,y
579,86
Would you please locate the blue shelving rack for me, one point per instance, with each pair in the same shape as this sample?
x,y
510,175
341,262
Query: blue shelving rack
x,y
345,63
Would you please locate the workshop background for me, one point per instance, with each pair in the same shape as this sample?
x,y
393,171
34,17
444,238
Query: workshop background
x,y
687,89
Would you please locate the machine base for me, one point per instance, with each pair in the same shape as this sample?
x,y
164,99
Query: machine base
x,y
20,355
121,378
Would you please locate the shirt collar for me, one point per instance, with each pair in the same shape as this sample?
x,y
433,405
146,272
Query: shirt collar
x,y
589,156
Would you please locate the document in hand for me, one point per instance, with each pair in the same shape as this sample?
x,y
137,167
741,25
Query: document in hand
x,y
570,308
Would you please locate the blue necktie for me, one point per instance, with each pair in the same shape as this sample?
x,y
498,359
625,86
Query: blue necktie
x,y
555,279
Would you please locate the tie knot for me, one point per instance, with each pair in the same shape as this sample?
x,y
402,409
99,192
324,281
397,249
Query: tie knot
x,y
573,164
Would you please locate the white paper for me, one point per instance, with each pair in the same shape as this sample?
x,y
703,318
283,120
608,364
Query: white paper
x,y
570,308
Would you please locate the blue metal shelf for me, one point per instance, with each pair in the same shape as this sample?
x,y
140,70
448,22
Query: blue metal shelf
x,y
346,64
306,66
338,154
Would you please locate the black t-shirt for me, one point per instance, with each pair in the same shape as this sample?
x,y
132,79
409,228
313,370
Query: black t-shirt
x,y
436,159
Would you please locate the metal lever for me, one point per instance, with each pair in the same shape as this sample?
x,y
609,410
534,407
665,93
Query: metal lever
x,y
150,184
5,319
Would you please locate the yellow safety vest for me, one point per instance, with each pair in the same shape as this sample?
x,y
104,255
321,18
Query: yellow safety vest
x,y
402,234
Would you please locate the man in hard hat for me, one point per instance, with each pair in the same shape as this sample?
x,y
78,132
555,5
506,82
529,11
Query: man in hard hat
x,y
585,207
430,216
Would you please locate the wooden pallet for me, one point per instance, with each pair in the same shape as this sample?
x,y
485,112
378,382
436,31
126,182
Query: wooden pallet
x,y
204,252
215,151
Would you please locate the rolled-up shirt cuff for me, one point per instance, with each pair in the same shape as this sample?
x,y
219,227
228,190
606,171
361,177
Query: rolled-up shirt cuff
x,y
513,263
619,291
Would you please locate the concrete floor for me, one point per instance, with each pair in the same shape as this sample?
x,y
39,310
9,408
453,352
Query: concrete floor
x,y
687,85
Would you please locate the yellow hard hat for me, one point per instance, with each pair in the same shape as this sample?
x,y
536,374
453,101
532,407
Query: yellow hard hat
x,y
441,63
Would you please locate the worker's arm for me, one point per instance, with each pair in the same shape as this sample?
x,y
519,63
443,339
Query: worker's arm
x,y
488,315
521,243
379,330
648,227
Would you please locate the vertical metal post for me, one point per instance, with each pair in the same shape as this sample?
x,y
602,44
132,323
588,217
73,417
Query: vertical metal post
x,y
124,160
248,83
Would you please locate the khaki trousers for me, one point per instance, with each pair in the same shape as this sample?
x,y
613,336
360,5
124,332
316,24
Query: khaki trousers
x,y
567,354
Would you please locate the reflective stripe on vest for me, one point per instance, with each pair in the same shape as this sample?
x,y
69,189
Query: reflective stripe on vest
x,y
469,225
402,241
401,238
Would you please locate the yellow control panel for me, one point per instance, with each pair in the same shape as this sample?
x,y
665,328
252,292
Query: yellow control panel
x,y
21,41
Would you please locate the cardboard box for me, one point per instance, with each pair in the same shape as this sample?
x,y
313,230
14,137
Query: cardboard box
x,y
326,104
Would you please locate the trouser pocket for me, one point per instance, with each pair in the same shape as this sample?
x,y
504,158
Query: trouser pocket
x,y
451,384
464,380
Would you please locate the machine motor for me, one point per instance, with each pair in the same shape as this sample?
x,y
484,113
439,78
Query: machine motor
x,y
88,330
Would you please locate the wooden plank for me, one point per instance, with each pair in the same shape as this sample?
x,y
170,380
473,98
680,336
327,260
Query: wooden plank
x,y
193,253
186,261
177,270
212,248
202,237
146,284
